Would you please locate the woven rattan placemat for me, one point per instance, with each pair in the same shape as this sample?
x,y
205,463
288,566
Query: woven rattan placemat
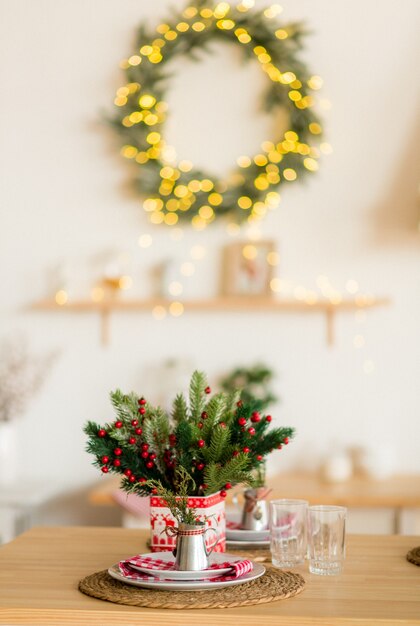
x,y
273,585
414,556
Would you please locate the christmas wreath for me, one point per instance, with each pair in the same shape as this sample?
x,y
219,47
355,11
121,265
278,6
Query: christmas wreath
x,y
208,443
179,190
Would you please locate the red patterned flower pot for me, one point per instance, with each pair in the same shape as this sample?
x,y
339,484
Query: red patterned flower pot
x,y
211,507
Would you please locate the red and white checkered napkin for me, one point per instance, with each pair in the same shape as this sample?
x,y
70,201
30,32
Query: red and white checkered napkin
x,y
237,568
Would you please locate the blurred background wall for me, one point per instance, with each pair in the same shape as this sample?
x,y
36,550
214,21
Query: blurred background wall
x,y
65,196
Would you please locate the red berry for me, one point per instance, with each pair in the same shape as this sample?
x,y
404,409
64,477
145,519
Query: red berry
x,y
228,486
116,463
200,466
154,491
118,424
201,443
144,446
101,432
142,411
207,390
138,431
235,453
134,422
279,447
142,480
142,401
144,454
246,450
222,425
286,441
128,472
105,459
241,421
117,451
259,457
251,430
132,479
152,456
200,424
268,418
223,493
132,440
239,403
203,486
105,469
150,464
255,417
204,415
170,465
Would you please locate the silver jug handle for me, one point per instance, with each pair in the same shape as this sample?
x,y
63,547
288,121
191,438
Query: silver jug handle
x,y
215,530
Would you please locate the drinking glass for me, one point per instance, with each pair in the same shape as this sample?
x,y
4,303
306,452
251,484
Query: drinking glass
x,y
288,532
326,535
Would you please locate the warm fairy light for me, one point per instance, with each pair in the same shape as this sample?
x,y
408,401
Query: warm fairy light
x,y
273,11
225,24
162,28
142,157
159,312
145,241
272,199
198,26
249,252
315,128
315,82
129,152
244,161
295,95
221,9
206,13
244,37
289,174
187,268
273,258
359,341
120,101
190,12
185,166
206,212
287,78
146,50
198,223
134,60
335,297
182,27
153,138
170,35
352,286
368,366
260,159
175,288
156,217
311,297
176,309
310,164
125,282
181,191
206,184
61,297
326,148
215,199
198,252
171,219
147,101
244,202
281,33
97,294
276,285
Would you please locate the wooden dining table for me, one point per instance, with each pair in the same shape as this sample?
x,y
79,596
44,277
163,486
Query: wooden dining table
x,y
40,571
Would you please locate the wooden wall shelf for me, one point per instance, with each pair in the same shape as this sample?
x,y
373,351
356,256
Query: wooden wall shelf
x,y
220,304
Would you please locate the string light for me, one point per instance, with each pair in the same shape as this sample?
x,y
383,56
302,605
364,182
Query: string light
x,y
176,309
61,297
159,312
145,241
359,341
97,294
175,288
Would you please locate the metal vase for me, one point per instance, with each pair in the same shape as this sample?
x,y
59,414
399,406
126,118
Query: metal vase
x,y
255,515
191,552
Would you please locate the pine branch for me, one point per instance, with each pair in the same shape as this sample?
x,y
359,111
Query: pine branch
x,y
197,394
219,441
180,409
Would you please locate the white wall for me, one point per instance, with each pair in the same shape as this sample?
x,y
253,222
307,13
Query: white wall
x,y
64,196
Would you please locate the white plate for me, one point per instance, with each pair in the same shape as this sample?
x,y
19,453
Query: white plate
x,y
191,585
186,575
247,544
237,534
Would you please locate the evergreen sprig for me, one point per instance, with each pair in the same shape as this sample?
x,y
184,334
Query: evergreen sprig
x,y
209,443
